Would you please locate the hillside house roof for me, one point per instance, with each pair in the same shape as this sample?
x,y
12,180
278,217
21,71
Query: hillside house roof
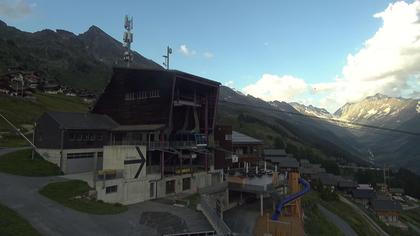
x,y
363,193
274,153
386,205
239,138
284,162
396,190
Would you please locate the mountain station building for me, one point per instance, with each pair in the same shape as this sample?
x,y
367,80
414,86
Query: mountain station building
x,y
147,136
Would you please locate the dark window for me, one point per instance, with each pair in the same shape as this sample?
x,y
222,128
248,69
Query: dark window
x,y
99,137
170,186
80,155
91,137
186,184
111,189
152,190
72,137
100,154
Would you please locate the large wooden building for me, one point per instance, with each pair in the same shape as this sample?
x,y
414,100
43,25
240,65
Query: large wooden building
x,y
159,126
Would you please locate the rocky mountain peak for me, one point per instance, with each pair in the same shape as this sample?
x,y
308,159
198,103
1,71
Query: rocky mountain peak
x,y
377,96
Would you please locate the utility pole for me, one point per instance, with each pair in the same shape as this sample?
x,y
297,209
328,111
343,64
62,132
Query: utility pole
x,y
168,52
18,130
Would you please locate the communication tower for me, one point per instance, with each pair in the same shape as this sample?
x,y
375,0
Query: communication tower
x,y
128,39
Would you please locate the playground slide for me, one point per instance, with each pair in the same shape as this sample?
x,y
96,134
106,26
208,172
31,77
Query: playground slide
x,y
289,198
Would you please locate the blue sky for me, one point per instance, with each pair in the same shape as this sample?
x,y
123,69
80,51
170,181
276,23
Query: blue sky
x,y
234,42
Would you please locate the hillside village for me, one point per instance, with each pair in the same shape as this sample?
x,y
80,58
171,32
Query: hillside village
x,y
22,83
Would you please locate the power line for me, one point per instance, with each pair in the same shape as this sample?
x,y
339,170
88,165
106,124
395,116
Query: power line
x,y
326,119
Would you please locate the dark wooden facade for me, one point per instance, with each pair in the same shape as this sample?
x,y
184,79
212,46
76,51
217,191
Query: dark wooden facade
x,y
178,100
50,134
223,143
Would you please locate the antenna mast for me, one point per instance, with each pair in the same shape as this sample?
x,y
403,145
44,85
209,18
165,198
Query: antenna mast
x,y
128,39
168,52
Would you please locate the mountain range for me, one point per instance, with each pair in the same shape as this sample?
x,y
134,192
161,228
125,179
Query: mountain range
x,y
394,149
81,61
86,61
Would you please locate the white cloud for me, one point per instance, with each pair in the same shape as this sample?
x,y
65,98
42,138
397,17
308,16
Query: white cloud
x,y
230,83
183,49
208,55
386,62
15,9
273,87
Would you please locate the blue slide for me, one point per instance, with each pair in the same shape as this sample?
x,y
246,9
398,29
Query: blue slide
x,y
290,198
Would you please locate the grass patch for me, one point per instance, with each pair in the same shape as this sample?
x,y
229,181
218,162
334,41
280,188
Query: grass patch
x,y
21,163
12,140
315,222
73,194
21,111
347,213
412,216
12,224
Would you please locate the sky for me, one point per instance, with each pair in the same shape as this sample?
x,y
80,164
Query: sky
x,y
324,53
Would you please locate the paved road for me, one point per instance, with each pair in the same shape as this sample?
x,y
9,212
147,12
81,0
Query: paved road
x,y
372,223
337,221
8,150
50,218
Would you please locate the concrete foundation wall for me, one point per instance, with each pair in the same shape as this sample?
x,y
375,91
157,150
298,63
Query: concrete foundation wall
x,y
151,187
54,156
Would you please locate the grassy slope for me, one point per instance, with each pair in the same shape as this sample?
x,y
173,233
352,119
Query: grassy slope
x,y
21,111
412,216
315,221
11,224
21,163
354,219
65,193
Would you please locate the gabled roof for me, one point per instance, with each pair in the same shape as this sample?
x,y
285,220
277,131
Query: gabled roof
x,y
284,162
239,138
80,120
274,152
328,179
363,193
347,183
386,205
195,78
177,73
396,190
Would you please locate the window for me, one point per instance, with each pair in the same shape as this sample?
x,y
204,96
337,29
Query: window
x,y
228,137
91,137
80,155
100,154
99,137
186,184
141,95
152,190
111,189
72,137
170,186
